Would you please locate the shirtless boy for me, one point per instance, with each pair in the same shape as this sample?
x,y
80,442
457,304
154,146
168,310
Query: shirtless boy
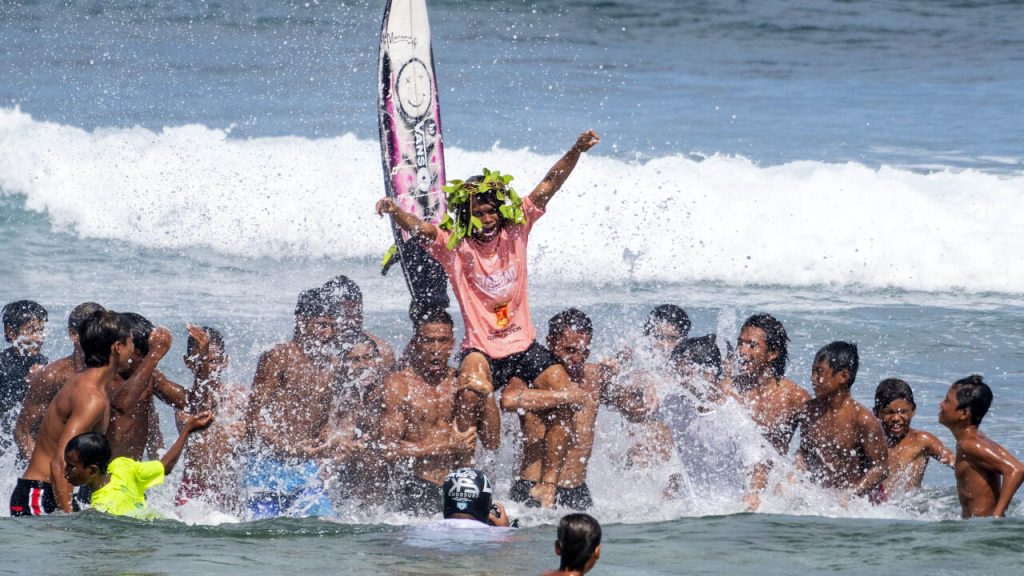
x,y
24,323
987,475
346,304
134,424
569,337
482,247
842,444
80,406
909,449
47,382
288,408
353,430
418,422
665,327
759,384
212,467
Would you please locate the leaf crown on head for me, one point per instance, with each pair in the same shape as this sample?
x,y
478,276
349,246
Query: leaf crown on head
x,y
460,221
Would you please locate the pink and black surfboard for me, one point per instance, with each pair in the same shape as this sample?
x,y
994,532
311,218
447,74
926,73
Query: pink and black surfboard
x,y
411,148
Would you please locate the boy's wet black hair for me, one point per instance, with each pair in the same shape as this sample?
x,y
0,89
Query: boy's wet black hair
x,y
216,339
775,338
571,319
313,303
99,332
20,312
702,351
668,314
579,535
362,338
92,448
840,356
341,288
891,390
141,329
80,313
973,394
432,316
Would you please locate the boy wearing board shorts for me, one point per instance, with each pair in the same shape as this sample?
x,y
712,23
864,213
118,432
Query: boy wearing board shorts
x,y
481,245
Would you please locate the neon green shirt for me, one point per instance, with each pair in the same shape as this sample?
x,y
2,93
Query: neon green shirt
x,y
125,494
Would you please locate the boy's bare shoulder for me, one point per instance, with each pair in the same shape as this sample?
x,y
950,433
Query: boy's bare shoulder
x,y
794,393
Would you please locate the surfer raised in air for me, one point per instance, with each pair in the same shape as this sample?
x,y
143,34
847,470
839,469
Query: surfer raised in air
x,y
482,246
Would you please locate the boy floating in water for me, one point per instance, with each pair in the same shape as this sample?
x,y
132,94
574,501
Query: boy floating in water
x,y
841,442
987,476
909,449
482,247
119,485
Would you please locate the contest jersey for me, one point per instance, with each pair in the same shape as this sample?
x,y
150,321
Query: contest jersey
x,y
489,281
125,494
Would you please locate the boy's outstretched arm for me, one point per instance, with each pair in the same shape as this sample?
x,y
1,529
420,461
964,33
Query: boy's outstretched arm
x,y
406,220
192,423
558,173
988,454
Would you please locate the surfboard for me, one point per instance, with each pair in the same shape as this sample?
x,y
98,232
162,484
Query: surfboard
x,y
412,151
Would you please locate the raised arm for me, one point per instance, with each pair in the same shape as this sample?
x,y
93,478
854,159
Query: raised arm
x,y
558,173
171,393
991,456
192,423
406,220
875,452
130,395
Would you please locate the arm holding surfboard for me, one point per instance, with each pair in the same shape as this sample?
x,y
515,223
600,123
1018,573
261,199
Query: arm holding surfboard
x,y
406,220
558,173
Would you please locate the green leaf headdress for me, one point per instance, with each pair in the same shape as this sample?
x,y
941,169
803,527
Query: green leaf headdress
x,y
461,222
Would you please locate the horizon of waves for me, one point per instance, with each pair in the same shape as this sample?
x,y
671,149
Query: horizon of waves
x,y
673,219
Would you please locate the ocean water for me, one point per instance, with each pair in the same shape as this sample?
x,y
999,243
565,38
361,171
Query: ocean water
x,y
853,168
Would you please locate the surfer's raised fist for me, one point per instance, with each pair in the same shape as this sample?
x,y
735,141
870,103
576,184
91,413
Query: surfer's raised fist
x,y
387,206
587,140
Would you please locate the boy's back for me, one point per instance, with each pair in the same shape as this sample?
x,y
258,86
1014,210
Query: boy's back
x,y
124,494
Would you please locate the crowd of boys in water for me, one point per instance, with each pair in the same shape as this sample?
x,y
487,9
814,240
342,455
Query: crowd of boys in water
x,y
333,413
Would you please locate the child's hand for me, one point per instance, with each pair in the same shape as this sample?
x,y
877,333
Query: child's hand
x,y
202,339
199,421
587,140
387,206
160,341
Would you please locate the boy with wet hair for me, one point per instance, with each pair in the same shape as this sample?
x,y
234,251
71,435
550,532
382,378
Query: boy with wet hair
x,y
667,325
987,475
578,545
570,333
482,246
759,383
24,322
80,406
909,449
345,300
118,486
842,444
134,422
45,384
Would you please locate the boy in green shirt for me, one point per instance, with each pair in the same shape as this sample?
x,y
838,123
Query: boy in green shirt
x,y
119,485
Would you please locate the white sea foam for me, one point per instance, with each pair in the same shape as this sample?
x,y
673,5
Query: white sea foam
x,y
670,219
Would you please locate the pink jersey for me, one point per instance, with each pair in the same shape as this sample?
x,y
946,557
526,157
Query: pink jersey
x,y
489,281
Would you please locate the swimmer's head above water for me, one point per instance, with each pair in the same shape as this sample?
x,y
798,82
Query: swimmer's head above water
x,y
466,493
